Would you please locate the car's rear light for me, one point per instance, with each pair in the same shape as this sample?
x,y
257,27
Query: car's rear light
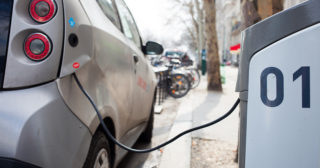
x,y
37,46
42,10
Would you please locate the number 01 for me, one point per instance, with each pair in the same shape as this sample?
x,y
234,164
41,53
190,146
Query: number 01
x,y
304,72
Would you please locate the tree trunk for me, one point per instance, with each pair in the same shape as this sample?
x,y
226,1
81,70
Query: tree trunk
x,y
213,59
265,8
256,10
277,6
250,13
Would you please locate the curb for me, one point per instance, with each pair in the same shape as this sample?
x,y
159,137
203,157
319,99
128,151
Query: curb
x,y
178,154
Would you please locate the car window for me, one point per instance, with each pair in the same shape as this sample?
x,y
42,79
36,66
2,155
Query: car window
x,y
128,24
110,11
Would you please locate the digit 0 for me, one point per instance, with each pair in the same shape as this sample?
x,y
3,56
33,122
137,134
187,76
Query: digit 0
x,y
264,85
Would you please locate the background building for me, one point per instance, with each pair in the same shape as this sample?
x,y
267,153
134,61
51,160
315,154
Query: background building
x,y
228,25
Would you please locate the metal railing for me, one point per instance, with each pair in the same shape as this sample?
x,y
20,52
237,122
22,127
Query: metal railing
x,y
162,75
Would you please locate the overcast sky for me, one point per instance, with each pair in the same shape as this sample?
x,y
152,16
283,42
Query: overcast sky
x,y
152,18
149,14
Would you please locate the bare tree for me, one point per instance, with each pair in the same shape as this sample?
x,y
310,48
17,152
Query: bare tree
x,y
200,27
194,23
214,79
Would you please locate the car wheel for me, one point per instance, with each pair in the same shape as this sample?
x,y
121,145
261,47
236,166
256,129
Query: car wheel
x,y
99,152
146,136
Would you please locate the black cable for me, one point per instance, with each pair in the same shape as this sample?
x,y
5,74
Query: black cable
x,y
110,136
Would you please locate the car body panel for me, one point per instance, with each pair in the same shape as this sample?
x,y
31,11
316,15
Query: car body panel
x,y
76,22
37,127
108,76
144,87
111,78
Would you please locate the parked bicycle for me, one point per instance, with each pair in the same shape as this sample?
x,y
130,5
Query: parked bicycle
x,y
177,84
179,77
194,77
186,68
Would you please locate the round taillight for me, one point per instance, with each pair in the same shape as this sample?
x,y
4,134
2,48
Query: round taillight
x,y
42,10
37,46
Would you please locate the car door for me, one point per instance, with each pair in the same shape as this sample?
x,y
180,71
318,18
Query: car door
x,y
109,77
141,101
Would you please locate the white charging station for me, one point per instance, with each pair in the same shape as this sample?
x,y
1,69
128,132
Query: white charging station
x,y
279,81
283,106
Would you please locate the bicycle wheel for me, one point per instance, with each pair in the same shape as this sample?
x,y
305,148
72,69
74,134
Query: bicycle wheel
x,y
178,85
195,78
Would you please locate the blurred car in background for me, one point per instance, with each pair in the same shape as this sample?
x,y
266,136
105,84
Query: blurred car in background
x,y
182,56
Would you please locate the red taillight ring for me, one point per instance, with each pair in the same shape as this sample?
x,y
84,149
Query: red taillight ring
x,y
49,16
47,47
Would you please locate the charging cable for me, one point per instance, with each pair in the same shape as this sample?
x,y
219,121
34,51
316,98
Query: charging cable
x,y
114,140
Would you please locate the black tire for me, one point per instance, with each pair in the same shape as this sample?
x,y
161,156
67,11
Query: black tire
x,y
175,92
146,136
99,143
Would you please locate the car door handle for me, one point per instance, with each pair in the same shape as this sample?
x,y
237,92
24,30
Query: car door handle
x,y
135,58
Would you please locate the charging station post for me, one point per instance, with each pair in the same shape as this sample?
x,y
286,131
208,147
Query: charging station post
x,y
278,86
204,62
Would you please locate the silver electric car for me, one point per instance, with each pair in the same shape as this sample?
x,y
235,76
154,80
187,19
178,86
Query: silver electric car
x,y
45,118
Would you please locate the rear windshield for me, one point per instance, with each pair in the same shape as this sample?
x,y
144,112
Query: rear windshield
x,y
5,18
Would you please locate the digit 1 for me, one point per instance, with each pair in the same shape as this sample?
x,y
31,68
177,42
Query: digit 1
x,y
305,73
263,87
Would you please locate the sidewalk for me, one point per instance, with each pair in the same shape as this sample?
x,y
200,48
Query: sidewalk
x,y
178,153
200,107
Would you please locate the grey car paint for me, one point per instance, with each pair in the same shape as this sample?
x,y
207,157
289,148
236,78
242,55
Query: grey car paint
x,y
37,127
83,52
123,90
20,70
110,76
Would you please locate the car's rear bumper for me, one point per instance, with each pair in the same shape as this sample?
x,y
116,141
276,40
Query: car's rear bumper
x,y
37,127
